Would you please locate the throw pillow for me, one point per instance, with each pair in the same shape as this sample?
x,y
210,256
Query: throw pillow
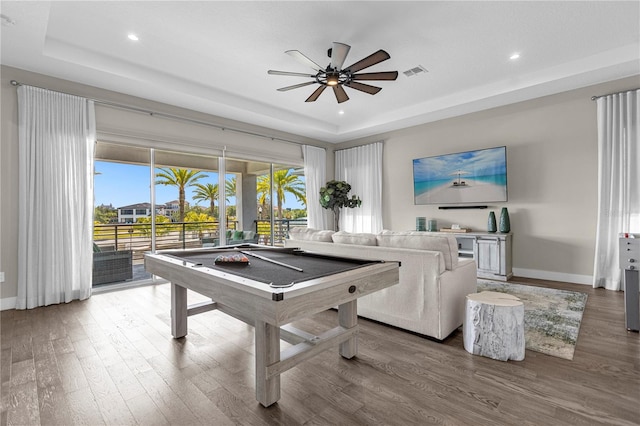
x,y
323,236
362,239
310,234
238,235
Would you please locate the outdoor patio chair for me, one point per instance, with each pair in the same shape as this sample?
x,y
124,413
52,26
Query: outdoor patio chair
x,y
111,266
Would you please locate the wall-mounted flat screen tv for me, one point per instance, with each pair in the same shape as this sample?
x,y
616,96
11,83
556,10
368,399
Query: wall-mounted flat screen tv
x,y
466,177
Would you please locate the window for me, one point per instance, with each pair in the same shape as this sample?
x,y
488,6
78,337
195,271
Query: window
x,y
188,201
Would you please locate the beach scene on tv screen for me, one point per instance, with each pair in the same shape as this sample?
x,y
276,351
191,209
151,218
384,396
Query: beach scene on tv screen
x,y
465,177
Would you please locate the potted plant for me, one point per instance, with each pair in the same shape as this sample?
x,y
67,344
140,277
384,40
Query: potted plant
x,y
334,196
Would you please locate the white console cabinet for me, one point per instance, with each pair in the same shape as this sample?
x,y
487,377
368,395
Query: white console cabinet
x,y
491,251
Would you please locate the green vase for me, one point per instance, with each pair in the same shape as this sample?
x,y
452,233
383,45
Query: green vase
x,y
491,224
505,223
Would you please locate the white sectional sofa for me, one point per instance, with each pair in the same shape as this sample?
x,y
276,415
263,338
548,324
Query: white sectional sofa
x,y
430,298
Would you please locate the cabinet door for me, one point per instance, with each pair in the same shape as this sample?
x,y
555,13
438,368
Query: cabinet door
x,y
488,255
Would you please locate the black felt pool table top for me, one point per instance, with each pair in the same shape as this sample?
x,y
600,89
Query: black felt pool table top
x,y
313,265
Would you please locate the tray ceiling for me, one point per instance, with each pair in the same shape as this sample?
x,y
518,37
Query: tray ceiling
x,y
214,56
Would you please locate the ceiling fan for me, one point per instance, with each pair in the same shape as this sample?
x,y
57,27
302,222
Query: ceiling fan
x,y
335,76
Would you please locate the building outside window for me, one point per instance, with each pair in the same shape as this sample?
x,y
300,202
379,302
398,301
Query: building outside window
x,y
130,214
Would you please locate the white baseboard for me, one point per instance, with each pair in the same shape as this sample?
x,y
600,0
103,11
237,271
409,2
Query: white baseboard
x,y
8,303
553,276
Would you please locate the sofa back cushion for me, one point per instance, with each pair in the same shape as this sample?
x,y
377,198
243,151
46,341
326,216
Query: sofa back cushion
x,y
445,244
310,234
363,239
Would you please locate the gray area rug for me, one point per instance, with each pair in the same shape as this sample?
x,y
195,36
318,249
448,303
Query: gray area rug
x,y
551,317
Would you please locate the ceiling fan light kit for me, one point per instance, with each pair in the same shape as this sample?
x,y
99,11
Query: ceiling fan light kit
x,y
335,76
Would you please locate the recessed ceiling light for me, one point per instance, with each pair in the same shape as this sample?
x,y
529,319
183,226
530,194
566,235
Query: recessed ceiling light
x,y
133,37
514,56
341,112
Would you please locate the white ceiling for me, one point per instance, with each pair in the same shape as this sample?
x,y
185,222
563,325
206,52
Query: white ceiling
x,y
213,56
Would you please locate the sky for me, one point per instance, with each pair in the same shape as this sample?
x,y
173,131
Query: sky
x,y
125,184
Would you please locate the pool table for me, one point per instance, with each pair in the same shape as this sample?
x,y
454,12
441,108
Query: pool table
x,y
274,288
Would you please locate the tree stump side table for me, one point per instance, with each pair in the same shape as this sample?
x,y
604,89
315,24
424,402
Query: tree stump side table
x,y
494,326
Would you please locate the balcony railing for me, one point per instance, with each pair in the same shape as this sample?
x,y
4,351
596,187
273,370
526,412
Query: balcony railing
x,y
136,237
280,230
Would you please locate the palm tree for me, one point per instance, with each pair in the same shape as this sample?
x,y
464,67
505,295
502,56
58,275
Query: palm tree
x,y
207,192
181,178
230,186
283,182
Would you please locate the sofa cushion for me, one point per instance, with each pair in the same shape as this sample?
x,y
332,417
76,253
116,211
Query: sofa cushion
x,y
249,235
310,234
363,239
446,244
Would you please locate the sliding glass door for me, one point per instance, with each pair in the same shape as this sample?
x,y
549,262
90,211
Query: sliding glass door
x,y
187,200
147,199
281,201
121,214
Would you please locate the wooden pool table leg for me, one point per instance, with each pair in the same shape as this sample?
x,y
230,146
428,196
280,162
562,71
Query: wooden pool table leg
x,y
267,350
348,318
178,311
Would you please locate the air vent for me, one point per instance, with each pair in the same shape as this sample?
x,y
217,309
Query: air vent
x,y
417,70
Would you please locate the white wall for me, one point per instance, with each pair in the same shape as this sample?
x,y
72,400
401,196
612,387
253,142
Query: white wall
x,y
552,177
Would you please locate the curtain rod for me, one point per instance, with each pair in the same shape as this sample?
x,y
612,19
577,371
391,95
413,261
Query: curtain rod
x,y
165,115
358,146
593,98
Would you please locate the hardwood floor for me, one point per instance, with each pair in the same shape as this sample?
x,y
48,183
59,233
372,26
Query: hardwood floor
x,y
111,360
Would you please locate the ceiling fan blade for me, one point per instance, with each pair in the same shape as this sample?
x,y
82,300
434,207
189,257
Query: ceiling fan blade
x,y
295,86
341,95
316,93
297,55
385,75
295,74
339,53
372,90
370,60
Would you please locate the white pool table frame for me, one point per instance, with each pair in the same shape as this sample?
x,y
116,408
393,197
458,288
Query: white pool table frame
x,y
252,302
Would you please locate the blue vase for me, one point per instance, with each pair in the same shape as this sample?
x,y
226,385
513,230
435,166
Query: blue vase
x,y
491,224
505,223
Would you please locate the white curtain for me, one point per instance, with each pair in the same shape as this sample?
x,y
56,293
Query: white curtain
x,y
315,170
55,181
618,182
361,167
